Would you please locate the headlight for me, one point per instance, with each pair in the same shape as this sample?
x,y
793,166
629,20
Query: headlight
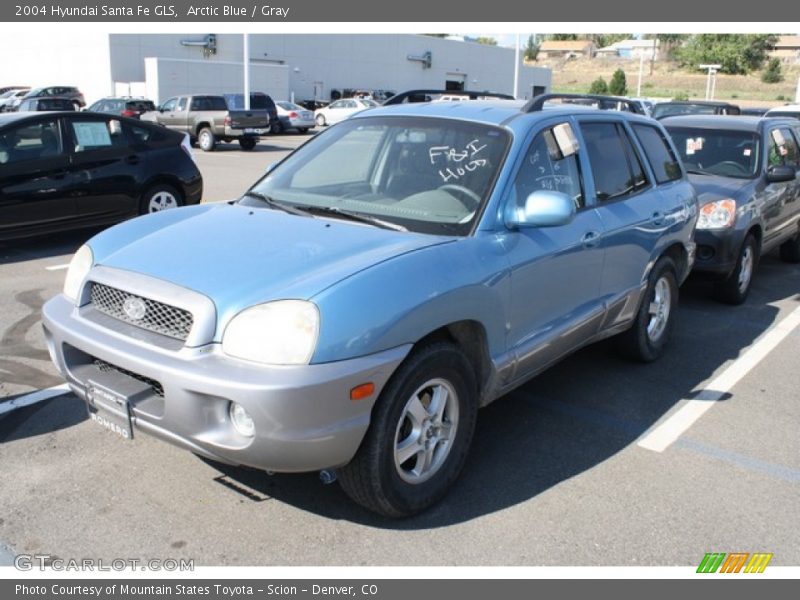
x,y
78,270
276,333
717,215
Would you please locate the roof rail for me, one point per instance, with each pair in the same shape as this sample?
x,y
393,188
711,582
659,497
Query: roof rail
x,y
604,102
421,95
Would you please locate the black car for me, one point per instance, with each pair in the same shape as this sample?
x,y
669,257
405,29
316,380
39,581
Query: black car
x,y
747,174
45,104
127,107
693,107
65,170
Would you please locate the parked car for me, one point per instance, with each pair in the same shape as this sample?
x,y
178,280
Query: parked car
x,y
341,109
790,110
123,105
377,286
258,101
207,120
67,170
693,107
745,170
293,116
45,104
8,88
59,91
753,111
10,99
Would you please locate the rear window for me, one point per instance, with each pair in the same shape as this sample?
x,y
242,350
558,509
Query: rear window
x,y
659,154
54,104
257,101
615,166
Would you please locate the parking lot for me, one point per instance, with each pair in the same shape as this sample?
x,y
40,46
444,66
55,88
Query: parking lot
x,y
563,471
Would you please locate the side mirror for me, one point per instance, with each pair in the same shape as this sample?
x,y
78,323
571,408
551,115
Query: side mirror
x,y
543,208
780,174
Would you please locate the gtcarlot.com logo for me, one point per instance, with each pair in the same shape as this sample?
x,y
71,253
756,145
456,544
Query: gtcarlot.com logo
x,y
736,562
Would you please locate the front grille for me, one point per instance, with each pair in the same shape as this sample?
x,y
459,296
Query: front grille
x,y
105,367
158,317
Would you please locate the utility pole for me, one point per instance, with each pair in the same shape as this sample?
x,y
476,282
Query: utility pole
x,y
711,80
641,70
516,69
246,51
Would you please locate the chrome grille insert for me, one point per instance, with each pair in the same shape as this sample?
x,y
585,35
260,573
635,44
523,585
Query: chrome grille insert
x,y
142,312
105,367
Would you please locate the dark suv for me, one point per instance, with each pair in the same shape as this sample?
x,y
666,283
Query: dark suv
x,y
693,107
41,104
60,91
745,170
125,106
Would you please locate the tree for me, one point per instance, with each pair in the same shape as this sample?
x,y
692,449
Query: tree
x,y
670,42
772,74
618,85
564,37
599,86
601,40
737,53
486,41
531,49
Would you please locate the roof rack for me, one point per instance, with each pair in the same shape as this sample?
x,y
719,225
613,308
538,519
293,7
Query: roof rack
x,y
604,102
422,95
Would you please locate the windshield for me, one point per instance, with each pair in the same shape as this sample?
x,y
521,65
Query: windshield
x,y
666,109
718,152
426,175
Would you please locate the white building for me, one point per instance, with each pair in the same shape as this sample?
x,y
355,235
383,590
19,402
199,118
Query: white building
x,y
305,66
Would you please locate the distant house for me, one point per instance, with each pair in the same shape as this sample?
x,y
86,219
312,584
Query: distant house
x,y
560,49
631,49
787,49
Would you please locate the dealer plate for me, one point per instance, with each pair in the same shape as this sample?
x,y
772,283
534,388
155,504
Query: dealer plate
x,y
109,409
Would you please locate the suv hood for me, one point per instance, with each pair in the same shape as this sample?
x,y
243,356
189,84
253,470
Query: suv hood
x,y
241,256
715,187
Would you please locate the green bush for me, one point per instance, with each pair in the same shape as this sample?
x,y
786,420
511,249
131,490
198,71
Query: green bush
x,y
618,85
681,96
772,74
599,86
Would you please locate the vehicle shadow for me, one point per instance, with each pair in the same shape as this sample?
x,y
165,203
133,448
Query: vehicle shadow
x,y
568,420
45,246
60,412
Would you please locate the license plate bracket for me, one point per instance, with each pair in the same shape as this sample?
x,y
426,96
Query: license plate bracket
x,y
110,409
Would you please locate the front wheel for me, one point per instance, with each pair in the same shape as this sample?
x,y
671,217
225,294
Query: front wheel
x,y
206,140
159,197
735,288
320,120
419,435
247,143
646,340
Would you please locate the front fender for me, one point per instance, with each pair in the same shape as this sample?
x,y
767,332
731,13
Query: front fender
x,y
401,300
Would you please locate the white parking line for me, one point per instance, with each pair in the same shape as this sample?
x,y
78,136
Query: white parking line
x,y
33,398
57,267
665,434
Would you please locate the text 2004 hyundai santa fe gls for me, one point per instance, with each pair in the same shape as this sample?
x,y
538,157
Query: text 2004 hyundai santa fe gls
x,y
356,307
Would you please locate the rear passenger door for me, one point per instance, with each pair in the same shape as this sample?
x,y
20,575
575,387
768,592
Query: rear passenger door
x,y
782,199
633,212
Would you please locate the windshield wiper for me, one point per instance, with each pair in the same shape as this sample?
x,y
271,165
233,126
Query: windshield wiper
x,y
272,203
698,172
354,216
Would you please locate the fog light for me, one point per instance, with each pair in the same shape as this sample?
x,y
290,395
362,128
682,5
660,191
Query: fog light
x,y
241,420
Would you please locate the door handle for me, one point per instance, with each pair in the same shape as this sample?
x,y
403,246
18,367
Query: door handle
x,y
133,159
590,239
657,218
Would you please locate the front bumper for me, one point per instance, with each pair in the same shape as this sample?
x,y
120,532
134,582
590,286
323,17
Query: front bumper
x,y
304,418
717,252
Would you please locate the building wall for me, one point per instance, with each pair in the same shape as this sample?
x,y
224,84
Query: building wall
x,y
319,63
58,59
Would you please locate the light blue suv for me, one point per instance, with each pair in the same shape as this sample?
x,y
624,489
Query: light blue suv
x,y
374,289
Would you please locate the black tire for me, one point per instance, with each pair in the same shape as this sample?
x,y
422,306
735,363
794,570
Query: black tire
x,y
206,140
161,196
320,119
736,287
790,250
374,479
247,143
303,130
276,128
646,340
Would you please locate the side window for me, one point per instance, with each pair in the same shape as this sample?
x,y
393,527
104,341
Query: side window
x,y
658,152
30,142
792,156
781,148
545,168
616,168
90,135
169,105
182,101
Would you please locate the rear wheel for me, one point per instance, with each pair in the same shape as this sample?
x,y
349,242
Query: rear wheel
x,y
302,130
420,431
790,250
206,140
160,197
247,143
320,119
276,127
736,287
646,340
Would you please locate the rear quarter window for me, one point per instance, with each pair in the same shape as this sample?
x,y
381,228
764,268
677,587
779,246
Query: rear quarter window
x,y
658,152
